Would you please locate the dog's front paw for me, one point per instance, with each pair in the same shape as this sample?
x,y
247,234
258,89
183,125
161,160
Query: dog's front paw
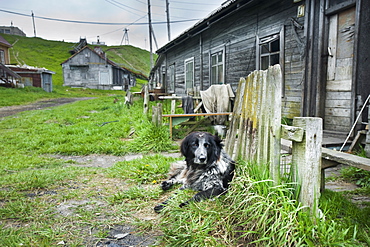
x,y
159,207
166,185
183,204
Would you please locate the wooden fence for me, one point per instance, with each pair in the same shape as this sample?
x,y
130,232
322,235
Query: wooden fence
x,y
255,134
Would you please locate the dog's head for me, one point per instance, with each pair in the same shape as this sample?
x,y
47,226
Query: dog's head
x,y
201,148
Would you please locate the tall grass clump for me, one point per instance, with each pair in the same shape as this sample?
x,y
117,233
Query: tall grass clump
x,y
255,212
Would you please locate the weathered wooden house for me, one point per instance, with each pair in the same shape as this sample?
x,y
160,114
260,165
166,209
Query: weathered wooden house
x,y
90,68
35,77
7,77
4,51
319,44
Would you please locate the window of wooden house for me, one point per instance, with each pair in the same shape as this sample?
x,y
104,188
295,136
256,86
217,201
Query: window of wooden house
x,y
189,73
269,51
171,79
2,56
217,67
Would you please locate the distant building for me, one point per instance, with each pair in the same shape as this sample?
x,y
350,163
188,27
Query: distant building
x,y
11,30
90,68
4,51
32,76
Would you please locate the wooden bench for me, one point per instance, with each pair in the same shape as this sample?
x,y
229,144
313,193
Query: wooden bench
x,y
171,116
331,158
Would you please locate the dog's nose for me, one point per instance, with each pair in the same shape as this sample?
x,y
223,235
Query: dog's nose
x,y
202,159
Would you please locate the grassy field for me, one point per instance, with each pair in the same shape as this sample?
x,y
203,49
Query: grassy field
x,y
35,186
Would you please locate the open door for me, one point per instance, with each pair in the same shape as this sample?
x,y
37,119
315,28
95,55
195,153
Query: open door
x,y
340,97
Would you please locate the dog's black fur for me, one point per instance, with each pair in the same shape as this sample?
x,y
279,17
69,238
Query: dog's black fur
x,y
207,168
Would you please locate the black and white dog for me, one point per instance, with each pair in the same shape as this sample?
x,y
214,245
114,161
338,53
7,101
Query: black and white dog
x,y
206,168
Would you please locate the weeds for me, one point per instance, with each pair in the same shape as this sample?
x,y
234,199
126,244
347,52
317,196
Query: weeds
x,y
256,213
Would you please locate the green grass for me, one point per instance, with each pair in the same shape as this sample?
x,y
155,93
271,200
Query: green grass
x,y
85,127
34,187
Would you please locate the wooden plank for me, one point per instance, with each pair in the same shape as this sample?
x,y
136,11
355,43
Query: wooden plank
x,y
197,114
292,133
338,103
345,158
339,86
275,80
332,46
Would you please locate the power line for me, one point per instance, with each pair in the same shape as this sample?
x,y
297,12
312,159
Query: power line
x,y
119,5
96,23
192,3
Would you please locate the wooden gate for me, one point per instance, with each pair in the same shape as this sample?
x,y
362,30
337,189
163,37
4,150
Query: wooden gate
x,y
254,133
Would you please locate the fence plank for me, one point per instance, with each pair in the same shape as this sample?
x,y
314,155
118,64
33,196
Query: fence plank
x,y
254,133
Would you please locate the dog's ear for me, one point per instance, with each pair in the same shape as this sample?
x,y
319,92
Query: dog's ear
x,y
185,145
218,145
218,140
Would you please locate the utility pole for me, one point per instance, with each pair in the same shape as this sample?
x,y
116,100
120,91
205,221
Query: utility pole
x,y
125,37
168,20
150,35
33,20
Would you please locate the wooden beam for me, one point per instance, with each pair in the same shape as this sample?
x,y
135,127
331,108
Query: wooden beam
x,y
345,158
292,133
192,115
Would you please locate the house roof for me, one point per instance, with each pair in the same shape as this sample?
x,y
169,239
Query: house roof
x,y
4,42
29,69
227,8
92,50
104,58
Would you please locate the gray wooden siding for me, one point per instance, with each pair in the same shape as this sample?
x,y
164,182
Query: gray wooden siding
x,y
237,34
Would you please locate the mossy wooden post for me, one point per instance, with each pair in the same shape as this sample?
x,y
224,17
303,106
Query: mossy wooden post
x,y
146,99
306,162
157,114
173,104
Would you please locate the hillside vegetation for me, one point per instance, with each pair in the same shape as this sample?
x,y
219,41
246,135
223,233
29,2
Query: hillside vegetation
x,y
50,54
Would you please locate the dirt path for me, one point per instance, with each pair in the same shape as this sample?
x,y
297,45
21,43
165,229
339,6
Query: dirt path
x,y
12,110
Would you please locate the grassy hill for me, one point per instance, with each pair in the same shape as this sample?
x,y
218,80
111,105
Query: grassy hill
x,y
50,54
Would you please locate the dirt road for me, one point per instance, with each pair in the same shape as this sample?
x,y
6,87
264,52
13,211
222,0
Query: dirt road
x,y
12,110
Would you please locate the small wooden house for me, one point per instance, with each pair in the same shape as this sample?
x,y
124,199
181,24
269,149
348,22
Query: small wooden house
x,y
7,77
33,76
319,44
4,51
91,69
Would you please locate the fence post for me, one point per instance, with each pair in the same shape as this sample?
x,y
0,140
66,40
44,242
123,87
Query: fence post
x,y
157,114
306,162
146,99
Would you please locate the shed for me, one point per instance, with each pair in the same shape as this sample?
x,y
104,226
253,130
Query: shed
x,y
91,68
319,44
33,76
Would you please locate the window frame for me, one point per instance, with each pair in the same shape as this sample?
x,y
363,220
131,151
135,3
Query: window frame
x,y
2,56
259,41
216,81
262,42
186,62
171,79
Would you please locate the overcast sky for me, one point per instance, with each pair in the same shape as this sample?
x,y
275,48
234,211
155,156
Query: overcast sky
x,y
130,14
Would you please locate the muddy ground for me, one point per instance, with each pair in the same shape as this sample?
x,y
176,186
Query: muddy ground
x,y
127,235
41,104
